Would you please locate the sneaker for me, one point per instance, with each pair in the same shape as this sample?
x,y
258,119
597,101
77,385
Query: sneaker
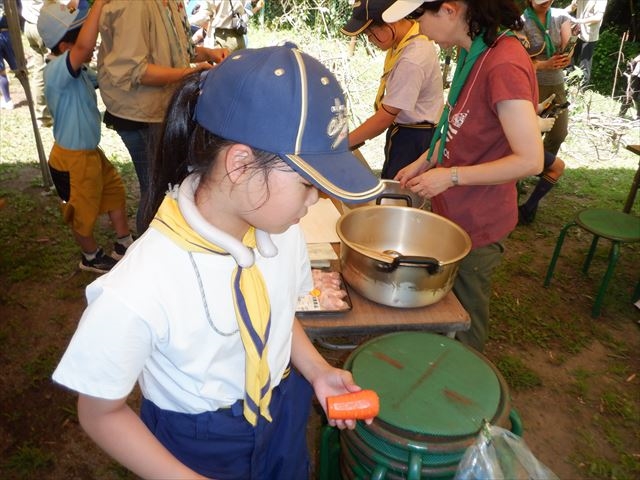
x,y
119,250
100,264
525,217
6,104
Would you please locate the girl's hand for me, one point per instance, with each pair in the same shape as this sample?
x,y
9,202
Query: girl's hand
x,y
331,382
431,183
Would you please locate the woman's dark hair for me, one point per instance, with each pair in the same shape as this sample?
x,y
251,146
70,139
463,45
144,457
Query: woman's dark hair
x,y
486,17
70,37
184,147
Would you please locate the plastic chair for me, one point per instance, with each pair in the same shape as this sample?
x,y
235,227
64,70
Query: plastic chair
x,y
619,227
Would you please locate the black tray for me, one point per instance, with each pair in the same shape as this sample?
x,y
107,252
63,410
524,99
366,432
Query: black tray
x,y
309,306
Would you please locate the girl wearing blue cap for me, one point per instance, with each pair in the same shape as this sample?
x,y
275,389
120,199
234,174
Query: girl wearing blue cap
x,y
200,312
486,139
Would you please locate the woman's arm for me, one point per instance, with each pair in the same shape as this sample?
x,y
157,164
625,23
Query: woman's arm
x,y
520,125
158,75
116,428
215,55
325,379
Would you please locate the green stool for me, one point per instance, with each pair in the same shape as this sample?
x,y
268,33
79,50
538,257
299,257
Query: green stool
x,y
617,227
434,395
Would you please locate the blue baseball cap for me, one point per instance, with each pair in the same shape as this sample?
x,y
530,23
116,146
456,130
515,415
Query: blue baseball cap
x,y
56,19
283,101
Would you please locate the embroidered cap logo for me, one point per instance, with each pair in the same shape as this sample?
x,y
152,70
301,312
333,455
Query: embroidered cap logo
x,y
338,125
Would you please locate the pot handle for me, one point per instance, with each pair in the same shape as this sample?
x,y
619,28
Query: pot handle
x,y
394,196
431,264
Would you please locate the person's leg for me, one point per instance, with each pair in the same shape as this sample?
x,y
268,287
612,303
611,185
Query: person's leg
x,y
473,288
77,176
4,89
138,144
36,71
553,138
553,170
114,204
6,55
586,60
635,94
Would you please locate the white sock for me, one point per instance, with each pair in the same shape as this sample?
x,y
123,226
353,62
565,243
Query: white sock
x,y
90,256
125,241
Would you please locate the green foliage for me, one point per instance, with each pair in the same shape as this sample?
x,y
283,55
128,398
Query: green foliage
x,y
605,60
516,373
324,17
28,460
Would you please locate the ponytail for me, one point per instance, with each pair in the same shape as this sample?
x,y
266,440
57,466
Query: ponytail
x,y
184,146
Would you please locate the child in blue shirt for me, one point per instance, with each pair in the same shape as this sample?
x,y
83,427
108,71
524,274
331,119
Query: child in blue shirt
x,y
85,180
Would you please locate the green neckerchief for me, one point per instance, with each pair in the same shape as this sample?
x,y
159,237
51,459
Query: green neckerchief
x,y
466,61
530,13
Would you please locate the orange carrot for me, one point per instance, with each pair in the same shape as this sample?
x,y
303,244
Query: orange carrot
x,y
357,405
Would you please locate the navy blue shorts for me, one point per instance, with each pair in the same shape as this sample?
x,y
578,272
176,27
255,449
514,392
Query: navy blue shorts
x,y
404,144
6,51
223,445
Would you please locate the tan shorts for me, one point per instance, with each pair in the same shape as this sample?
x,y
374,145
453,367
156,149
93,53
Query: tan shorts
x,y
88,185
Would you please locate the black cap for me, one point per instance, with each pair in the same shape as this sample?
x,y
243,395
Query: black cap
x,y
365,12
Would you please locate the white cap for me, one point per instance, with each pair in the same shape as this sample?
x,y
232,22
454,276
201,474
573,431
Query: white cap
x,y
401,8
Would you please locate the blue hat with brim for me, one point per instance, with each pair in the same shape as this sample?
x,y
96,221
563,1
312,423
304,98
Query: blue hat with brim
x,y
56,19
283,101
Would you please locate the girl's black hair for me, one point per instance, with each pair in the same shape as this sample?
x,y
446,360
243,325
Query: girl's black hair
x,y
70,37
184,147
486,17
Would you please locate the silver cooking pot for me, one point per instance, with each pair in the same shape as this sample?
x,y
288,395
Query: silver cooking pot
x,y
400,256
393,194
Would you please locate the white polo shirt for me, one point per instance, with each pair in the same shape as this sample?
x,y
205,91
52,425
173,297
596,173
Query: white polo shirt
x,y
146,322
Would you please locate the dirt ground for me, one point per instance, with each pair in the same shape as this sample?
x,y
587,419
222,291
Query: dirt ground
x,y
40,437
38,417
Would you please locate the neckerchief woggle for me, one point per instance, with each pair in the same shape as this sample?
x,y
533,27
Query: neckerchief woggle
x,y
391,58
251,301
530,13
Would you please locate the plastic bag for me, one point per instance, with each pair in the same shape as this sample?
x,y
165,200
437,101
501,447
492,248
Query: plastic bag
x,y
499,454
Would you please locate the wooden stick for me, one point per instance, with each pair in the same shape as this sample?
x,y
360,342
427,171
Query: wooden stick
x,y
625,36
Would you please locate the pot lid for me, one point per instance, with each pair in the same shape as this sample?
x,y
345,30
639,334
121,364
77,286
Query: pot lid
x,y
428,384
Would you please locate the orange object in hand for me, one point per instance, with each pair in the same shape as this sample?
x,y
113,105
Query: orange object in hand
x,y
357,405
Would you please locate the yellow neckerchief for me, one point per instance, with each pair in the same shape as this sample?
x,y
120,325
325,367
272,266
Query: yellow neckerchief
x,y
392,57
251,300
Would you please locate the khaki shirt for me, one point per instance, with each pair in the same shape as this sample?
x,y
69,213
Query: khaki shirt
x,y
134,35
222,13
